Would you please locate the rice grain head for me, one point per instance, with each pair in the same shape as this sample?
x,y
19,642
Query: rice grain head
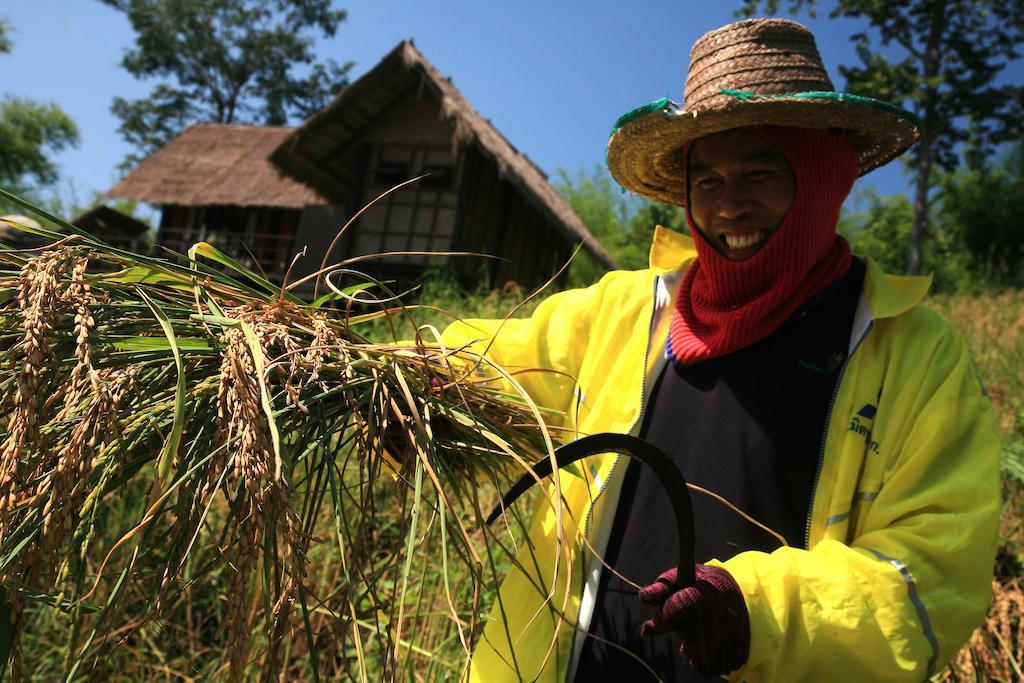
x,y
262,509
39,301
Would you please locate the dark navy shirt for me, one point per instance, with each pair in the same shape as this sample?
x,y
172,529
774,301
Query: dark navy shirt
x,y
748,426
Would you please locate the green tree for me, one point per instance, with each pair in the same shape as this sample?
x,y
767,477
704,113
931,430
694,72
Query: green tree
x,y
30,132
636,252
5,42
624,224
887,220
605,212
951,52
224,61
882,222
981,211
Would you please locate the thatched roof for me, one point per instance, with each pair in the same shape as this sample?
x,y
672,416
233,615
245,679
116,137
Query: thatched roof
x,y
106,220
217,164
314,152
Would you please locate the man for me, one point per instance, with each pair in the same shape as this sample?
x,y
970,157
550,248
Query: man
x,y
784,375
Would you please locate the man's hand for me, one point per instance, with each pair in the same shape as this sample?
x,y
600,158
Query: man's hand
x,y
710,617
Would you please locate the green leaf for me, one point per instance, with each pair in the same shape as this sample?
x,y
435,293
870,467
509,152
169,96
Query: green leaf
x,y
149,276
173,441
331,296
207,250
268,409
161,344
215,319
410,546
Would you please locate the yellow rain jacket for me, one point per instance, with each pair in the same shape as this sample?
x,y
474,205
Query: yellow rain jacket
x,y
895,570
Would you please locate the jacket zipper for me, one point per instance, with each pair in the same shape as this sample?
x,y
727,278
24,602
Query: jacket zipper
x,y
824,436
618,459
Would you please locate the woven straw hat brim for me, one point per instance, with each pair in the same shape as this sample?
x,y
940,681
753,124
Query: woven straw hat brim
x,y
645,152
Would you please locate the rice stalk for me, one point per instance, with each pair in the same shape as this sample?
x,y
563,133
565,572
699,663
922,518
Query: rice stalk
x,y
202,474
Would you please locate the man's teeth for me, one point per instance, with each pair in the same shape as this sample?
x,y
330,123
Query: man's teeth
x,y
743,241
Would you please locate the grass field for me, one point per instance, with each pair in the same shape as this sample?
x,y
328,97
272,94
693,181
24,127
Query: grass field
x,y
992,325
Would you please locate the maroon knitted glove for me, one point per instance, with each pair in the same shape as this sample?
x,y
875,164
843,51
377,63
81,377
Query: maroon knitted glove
x,y
710,617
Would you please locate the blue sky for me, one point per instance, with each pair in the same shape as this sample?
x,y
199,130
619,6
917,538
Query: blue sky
x,y
552,76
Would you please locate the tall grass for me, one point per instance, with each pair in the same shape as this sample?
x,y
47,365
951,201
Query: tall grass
x,y
992,324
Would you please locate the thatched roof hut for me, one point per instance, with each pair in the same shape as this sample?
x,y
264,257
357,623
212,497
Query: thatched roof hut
x,y
322,152
211,164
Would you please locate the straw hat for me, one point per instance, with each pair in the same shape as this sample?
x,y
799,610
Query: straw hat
x,y
750,73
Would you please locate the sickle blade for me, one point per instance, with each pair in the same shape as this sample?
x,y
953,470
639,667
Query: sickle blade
x,y
638,449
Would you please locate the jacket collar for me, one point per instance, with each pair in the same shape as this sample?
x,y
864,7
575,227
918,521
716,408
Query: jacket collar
x,y
670,250
891,295
886,295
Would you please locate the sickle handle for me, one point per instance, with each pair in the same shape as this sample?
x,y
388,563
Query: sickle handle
x,y
665,470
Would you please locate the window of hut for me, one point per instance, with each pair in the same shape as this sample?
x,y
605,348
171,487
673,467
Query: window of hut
x,y
418,217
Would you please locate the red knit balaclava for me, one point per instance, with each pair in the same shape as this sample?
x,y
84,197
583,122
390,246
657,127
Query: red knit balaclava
x,y
724,305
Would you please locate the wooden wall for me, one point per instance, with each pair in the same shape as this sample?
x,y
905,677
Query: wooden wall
x,y
268,233
496,219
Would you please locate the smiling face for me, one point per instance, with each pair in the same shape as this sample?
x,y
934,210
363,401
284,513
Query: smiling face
x,y
740,189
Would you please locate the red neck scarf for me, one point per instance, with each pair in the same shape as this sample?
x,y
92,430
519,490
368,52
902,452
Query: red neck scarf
x,y
724,305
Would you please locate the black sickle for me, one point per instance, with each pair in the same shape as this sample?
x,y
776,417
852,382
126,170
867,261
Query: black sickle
x,y
666,471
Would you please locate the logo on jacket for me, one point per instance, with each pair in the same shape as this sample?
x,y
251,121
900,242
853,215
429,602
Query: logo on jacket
x,y
828,367
861,424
